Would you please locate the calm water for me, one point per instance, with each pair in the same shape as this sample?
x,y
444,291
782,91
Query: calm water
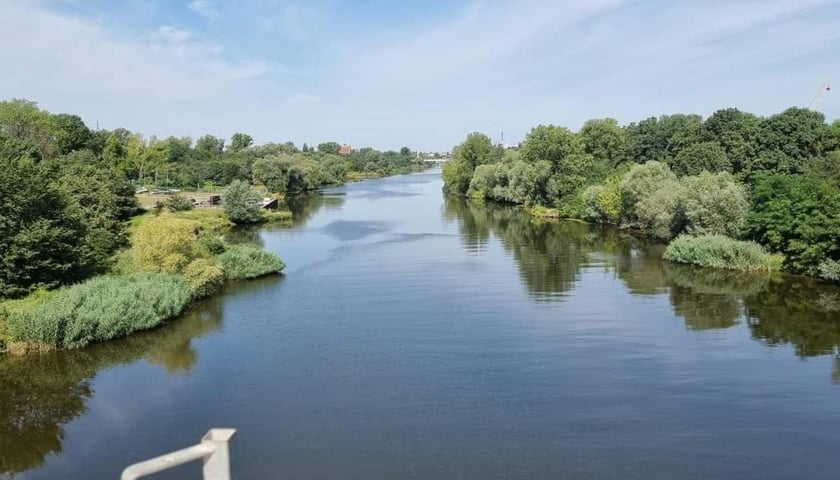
x,y
414,337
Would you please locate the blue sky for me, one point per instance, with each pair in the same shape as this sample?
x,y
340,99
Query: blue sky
x,y
423,74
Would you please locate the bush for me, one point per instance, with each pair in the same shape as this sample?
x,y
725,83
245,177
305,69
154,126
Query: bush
x,y
242,203
718,251
212,245
248,261
101,309
178,203
165,244
204,277
713,204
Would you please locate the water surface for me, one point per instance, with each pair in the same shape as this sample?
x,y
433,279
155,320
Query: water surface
x,y
418,337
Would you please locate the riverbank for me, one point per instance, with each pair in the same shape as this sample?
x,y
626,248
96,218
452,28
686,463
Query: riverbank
x,y
175,259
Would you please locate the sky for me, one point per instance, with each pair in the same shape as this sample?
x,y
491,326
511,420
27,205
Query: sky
x,y
421,74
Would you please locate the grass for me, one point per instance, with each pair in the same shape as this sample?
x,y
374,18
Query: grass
x,y
100,309
247,261
718,251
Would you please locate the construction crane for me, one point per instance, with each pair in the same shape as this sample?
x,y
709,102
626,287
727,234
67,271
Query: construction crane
x,y
815,102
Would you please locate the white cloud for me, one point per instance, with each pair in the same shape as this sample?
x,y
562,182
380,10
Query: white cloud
x,y
204,8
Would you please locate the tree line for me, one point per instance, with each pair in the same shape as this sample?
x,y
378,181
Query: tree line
x,y
67,190
772,180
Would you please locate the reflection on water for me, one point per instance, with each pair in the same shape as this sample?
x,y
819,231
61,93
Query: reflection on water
x,y
778,309
42,392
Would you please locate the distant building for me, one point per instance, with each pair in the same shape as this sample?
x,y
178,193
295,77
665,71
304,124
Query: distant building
x,y
345,149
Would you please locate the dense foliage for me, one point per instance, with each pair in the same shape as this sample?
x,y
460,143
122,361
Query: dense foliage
x,y
773,180
242,203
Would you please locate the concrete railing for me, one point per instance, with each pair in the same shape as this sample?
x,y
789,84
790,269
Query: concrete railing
x,y
213,449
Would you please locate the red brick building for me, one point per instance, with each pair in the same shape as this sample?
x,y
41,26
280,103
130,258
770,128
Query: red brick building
x,y
345,149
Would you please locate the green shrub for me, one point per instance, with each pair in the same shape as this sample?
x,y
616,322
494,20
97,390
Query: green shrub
x,y
242,203
165,244
101,309
178,203
718,251
212,245
204,277
248,261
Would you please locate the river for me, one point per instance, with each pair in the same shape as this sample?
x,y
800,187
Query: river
x,y
414,336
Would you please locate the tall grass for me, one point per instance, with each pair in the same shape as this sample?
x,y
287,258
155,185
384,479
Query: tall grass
x,y
101,309
718,251
248,261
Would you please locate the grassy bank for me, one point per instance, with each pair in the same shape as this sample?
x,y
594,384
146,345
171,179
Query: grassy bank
x,y
174,259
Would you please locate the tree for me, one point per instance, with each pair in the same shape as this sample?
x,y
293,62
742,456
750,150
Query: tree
x,y
792,137
713,204
24,121
705,156
209,147
240,141
641,182
476,150
71,133
242,203
305,148
797,216
42,236
736,132
329,147
552,144
605,140
105,201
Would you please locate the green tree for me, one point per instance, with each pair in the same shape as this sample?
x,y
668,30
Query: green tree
x,y
737,132
713,204
23,120
799,217
641,182
329,147
209,147
476,150
786,140
552,144
71,133
242,203
240,141
705,156
42,236
605,140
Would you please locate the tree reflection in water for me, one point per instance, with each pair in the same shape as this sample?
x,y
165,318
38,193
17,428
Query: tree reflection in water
x,y
778,309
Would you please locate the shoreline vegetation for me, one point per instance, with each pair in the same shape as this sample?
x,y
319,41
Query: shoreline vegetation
x,y
82,262
732,191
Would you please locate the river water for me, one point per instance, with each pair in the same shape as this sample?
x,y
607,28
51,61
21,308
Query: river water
x,y
418,337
